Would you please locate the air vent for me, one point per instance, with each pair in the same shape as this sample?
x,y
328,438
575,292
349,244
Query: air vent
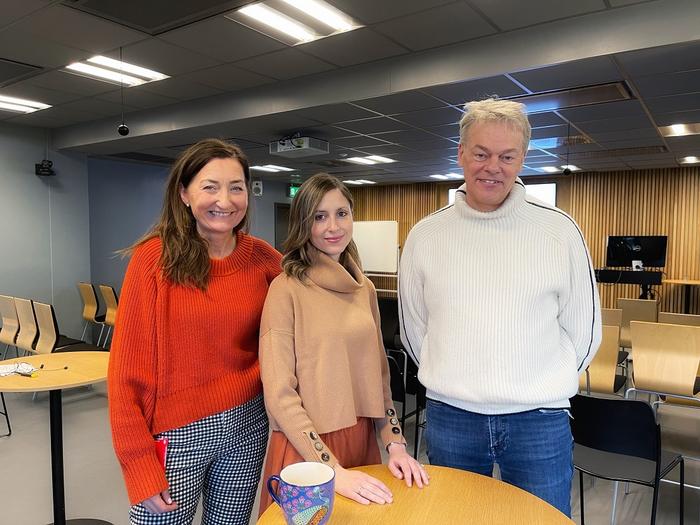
x,y
575,97
154,16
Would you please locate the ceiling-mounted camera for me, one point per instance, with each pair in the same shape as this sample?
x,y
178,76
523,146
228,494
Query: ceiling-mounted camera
x,y
566,171
123,129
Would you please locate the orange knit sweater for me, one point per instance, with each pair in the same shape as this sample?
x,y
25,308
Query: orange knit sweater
x,y
180,354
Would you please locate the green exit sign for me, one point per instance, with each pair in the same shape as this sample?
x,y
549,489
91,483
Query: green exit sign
x,y
292,190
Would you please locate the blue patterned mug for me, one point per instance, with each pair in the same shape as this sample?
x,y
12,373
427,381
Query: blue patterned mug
x,y
305,493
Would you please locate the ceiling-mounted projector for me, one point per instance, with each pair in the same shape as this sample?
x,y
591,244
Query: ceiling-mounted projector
x,y
297,147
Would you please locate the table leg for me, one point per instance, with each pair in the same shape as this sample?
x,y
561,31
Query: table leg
x,y
57,480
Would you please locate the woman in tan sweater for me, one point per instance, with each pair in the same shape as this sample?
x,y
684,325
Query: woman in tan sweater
x,y
324,371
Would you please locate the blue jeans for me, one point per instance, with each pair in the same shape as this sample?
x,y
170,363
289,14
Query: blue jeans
x,y
533,449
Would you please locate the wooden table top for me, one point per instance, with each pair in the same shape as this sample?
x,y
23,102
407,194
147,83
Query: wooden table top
x,y
453,496
691,282
84,368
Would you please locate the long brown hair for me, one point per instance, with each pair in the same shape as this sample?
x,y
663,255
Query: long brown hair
x,y
185,257
297,247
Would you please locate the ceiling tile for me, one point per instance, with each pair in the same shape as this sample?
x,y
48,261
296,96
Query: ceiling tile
x,y
540,120
400,102
599,70
11,11
358,141
333,113
509,14
371,11
664,59
678,117
222,39
285,64
669,84
53,117
38,94
437,27
69,83
450,131
372,125
479,89
77,30
609,110
615,124
96,108
404,136
680,103
227,77
20,46
431,117
353,47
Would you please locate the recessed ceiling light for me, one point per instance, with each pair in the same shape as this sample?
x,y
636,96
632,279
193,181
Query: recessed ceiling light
x,y
570,167
280,22
356,182
454,175
294,21
439,177
272,168
361,160
680,130
324,13
377,158
363,181
21,105
114,71
690,160
549,169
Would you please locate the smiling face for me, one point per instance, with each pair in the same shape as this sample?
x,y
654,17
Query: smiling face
x,y
218,197
491,156
331,231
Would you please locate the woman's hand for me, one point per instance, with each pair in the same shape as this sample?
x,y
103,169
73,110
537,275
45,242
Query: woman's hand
x,y
361,487
403,466
160,503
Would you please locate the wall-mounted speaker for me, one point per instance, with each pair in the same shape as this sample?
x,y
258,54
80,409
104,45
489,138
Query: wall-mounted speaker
x,y
257,188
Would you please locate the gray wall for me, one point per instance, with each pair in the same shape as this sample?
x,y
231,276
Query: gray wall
x,y
44,224
125,200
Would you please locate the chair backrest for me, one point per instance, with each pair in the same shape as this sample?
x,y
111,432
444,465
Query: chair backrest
x,y
10,324
27,324
398,389
635,310
666,357
110,298
686,319
611,316
389,316
90,306
48,328
601,371
620,426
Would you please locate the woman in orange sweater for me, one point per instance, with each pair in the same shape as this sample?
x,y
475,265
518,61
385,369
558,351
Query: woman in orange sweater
x,y
324,370
184,360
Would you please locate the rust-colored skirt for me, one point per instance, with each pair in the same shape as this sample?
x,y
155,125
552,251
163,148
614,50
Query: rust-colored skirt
x,y
353,446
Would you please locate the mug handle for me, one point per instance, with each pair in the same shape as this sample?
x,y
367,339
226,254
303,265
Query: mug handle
x,y
273,494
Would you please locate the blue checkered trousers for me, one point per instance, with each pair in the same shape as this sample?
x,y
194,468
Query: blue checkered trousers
x,y
219,457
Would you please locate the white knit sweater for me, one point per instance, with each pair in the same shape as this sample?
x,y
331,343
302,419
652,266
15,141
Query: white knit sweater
x,y
500,309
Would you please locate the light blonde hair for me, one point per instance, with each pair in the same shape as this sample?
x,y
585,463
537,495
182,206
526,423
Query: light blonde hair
x,y
297,247
185,254
495,110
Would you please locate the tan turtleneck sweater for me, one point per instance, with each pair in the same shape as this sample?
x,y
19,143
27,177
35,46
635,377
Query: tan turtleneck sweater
x,y
322,360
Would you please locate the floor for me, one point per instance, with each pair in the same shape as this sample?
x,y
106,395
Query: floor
x,y
94,487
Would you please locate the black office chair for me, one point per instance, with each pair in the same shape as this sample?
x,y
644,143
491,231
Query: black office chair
x,y
620,440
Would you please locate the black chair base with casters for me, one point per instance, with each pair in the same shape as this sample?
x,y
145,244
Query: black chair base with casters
x,y
620,440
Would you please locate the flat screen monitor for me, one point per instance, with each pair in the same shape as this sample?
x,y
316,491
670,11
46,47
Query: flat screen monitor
x,y
650,249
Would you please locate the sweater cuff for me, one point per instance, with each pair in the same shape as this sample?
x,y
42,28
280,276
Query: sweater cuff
x,y
389,428
144,478
316,450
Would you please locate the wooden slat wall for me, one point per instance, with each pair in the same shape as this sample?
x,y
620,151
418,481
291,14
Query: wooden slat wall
x,y
643,202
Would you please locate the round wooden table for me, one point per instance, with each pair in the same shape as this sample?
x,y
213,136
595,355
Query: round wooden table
x,y
60,370
453,496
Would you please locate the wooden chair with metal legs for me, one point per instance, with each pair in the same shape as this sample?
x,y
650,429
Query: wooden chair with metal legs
x,y
685,319
49,341
111,303
28,331
666,360
601,375
10,324
90,308
635,310
611,316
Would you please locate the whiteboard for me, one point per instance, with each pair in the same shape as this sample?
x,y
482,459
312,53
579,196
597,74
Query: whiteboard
x,y
378,244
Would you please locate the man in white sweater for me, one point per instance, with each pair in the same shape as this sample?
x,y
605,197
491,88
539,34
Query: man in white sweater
x,y
499,307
